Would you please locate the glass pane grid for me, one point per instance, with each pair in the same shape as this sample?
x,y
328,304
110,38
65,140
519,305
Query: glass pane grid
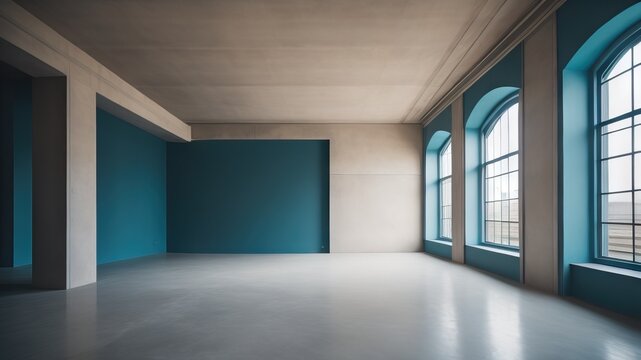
x,y
446,208
445,181
446,161
620,161
501,180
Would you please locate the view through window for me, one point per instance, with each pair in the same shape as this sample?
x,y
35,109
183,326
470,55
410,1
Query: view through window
x,y
618,146
501,177
445,182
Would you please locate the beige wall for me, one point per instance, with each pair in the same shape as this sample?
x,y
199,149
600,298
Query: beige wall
x,y
375,180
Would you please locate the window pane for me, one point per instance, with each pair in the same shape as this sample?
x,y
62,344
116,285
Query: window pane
x,y
496,146
446,230
618,125
514,185
489,231
514,162
514,234
637,207
505,134
637,171
637,88
505,233
446,160
514,210
489,190
505,187
514,129
617,96
616,143
623,64
617,241
505,210
446,192
637,244
637,138
503,166
617,208
489,146
616,174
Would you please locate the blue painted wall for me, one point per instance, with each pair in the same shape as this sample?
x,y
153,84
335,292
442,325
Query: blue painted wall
x,y
440,248
22,170
506,73
499,83
435,135
15,244
580,46
248,196
620,292
498,261
132,200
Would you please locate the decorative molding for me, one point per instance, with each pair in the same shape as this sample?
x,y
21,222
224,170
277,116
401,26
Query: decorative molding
x,y
530,22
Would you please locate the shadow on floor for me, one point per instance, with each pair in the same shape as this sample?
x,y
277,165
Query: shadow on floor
x,y
16,281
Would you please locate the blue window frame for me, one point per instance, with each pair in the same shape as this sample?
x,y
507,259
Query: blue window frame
x,y
617,139
500,176
445,191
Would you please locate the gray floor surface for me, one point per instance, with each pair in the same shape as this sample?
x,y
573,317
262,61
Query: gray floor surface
x,y
304,307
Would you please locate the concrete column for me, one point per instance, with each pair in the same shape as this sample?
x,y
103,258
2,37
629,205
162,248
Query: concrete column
x,y
50,182
81,181
64,183
6,175
458,182
539,152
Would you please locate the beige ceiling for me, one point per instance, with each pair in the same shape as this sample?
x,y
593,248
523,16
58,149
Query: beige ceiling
x,y
299,61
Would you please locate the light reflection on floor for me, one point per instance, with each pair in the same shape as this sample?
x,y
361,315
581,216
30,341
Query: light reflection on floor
x,y
325,306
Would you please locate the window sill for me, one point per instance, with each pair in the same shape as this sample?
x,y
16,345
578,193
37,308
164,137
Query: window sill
x,y
509,252
610,269
442,242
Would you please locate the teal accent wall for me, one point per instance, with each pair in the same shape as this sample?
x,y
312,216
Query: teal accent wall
x,y
22,170
15,242
620,292
131,191
507,73
479,101
439,248
500,262
435,135
248,196
580,46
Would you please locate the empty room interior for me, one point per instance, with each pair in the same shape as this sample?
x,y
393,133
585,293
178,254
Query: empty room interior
x,y
320,179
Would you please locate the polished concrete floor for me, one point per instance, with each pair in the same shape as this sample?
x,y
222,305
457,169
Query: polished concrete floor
x,y
303,307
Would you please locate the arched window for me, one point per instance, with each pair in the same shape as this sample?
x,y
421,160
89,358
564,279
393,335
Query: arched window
x,y
618,147
445,189
500,166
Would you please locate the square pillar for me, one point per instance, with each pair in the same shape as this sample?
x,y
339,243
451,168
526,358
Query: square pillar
x,y
64,183
539,152
458,182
